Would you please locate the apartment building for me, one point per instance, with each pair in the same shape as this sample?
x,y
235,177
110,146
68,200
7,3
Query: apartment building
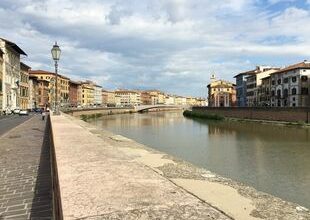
x,y
97,95
180,100
221,93
74,96
10,74
170,100
43,93
33,92
254,81
241,87
62,85
87,94
24,86
128,97
290,86
264,93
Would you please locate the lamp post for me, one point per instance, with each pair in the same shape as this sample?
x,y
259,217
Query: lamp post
x,y
56,56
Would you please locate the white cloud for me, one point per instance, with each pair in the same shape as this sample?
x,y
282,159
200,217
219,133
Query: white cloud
x,y
172,45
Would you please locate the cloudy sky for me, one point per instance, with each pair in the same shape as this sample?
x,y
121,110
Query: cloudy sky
x,y
172,45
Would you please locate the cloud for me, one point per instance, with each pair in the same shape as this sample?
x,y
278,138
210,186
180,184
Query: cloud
x,y
173,45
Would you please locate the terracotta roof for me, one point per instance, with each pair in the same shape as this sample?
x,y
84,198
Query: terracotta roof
x,y
302,65
14,46
125,91
46,72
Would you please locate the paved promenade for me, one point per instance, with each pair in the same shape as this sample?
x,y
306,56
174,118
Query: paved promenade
x,y
107,176
25,182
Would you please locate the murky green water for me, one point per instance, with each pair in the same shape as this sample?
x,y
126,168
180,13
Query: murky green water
x,y
273,159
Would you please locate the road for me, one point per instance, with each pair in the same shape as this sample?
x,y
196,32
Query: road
x,y
11,121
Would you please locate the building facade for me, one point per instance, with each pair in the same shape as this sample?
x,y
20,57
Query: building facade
x,y
264,92
74,95
87,94
221,94
97,95
241,87
128,98
62,86
10,74
33,92
24,86
253,84
290,86
1,82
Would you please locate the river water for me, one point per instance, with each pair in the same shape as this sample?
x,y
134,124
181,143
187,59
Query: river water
x,y
272,158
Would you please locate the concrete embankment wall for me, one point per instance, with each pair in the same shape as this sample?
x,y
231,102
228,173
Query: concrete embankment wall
x,y
100,175
103,111
269,114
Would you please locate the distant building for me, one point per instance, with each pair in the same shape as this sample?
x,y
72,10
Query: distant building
x,y
146,98
74,96
221,94
128,97
170,100
264,92
290,86
10,74
24,86
97,95
241,87
43,93
62,85
254,81
180,100
33,92
87,94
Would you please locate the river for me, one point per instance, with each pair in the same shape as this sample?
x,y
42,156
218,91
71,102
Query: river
x,y
272,158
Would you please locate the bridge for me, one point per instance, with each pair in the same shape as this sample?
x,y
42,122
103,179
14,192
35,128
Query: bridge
x,y
142,108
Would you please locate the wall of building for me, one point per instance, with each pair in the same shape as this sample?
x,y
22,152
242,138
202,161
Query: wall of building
x,y
257,113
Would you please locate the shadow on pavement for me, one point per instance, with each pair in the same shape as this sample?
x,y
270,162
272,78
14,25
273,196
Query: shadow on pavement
x,y
42,202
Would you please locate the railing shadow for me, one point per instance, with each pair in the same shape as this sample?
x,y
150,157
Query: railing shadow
x,y
42,204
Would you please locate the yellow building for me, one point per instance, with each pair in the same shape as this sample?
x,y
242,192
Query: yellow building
x,y
87,94
24,86
221,94
62,85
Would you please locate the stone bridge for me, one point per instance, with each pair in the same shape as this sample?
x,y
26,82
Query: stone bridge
x,y
142,108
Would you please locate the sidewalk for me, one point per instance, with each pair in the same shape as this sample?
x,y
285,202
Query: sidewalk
x,y
98,181
25,181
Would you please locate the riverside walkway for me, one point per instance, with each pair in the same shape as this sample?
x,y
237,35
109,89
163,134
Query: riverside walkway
x,y
106,176
25,180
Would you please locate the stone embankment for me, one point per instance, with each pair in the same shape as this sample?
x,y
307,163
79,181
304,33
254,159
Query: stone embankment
x,y
106,176
273,114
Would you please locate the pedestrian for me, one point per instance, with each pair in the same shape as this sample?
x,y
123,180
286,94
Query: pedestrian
x,y
43,115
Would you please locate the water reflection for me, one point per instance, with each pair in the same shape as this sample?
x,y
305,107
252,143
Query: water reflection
x,y
273,159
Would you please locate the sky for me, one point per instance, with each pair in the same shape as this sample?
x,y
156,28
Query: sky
x,y
171,45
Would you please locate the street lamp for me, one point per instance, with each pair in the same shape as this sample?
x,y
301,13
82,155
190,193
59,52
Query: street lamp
x,y
56,56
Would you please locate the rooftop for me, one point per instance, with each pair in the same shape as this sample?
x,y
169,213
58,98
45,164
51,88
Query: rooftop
x,y
14,46
44,72
303,65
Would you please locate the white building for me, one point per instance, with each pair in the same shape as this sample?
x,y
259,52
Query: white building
x,y
10,74
290,86
128,98
254,81
97,95
170,100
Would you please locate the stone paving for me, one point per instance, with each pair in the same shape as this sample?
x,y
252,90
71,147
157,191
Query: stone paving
x,y
25,176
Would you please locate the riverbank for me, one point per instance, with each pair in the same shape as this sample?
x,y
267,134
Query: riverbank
x,y
296,115
214,194
218,115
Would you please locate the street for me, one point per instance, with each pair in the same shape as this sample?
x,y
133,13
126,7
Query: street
x,y
10,121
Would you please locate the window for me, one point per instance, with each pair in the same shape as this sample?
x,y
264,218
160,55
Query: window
x,y
294,91
279,81
294,79
304,91
285,92
293,104
304,78
272,93
273,82
279,93
294,98
285,80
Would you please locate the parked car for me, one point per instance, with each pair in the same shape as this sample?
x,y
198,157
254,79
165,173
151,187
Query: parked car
x,y
16,111
23,112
